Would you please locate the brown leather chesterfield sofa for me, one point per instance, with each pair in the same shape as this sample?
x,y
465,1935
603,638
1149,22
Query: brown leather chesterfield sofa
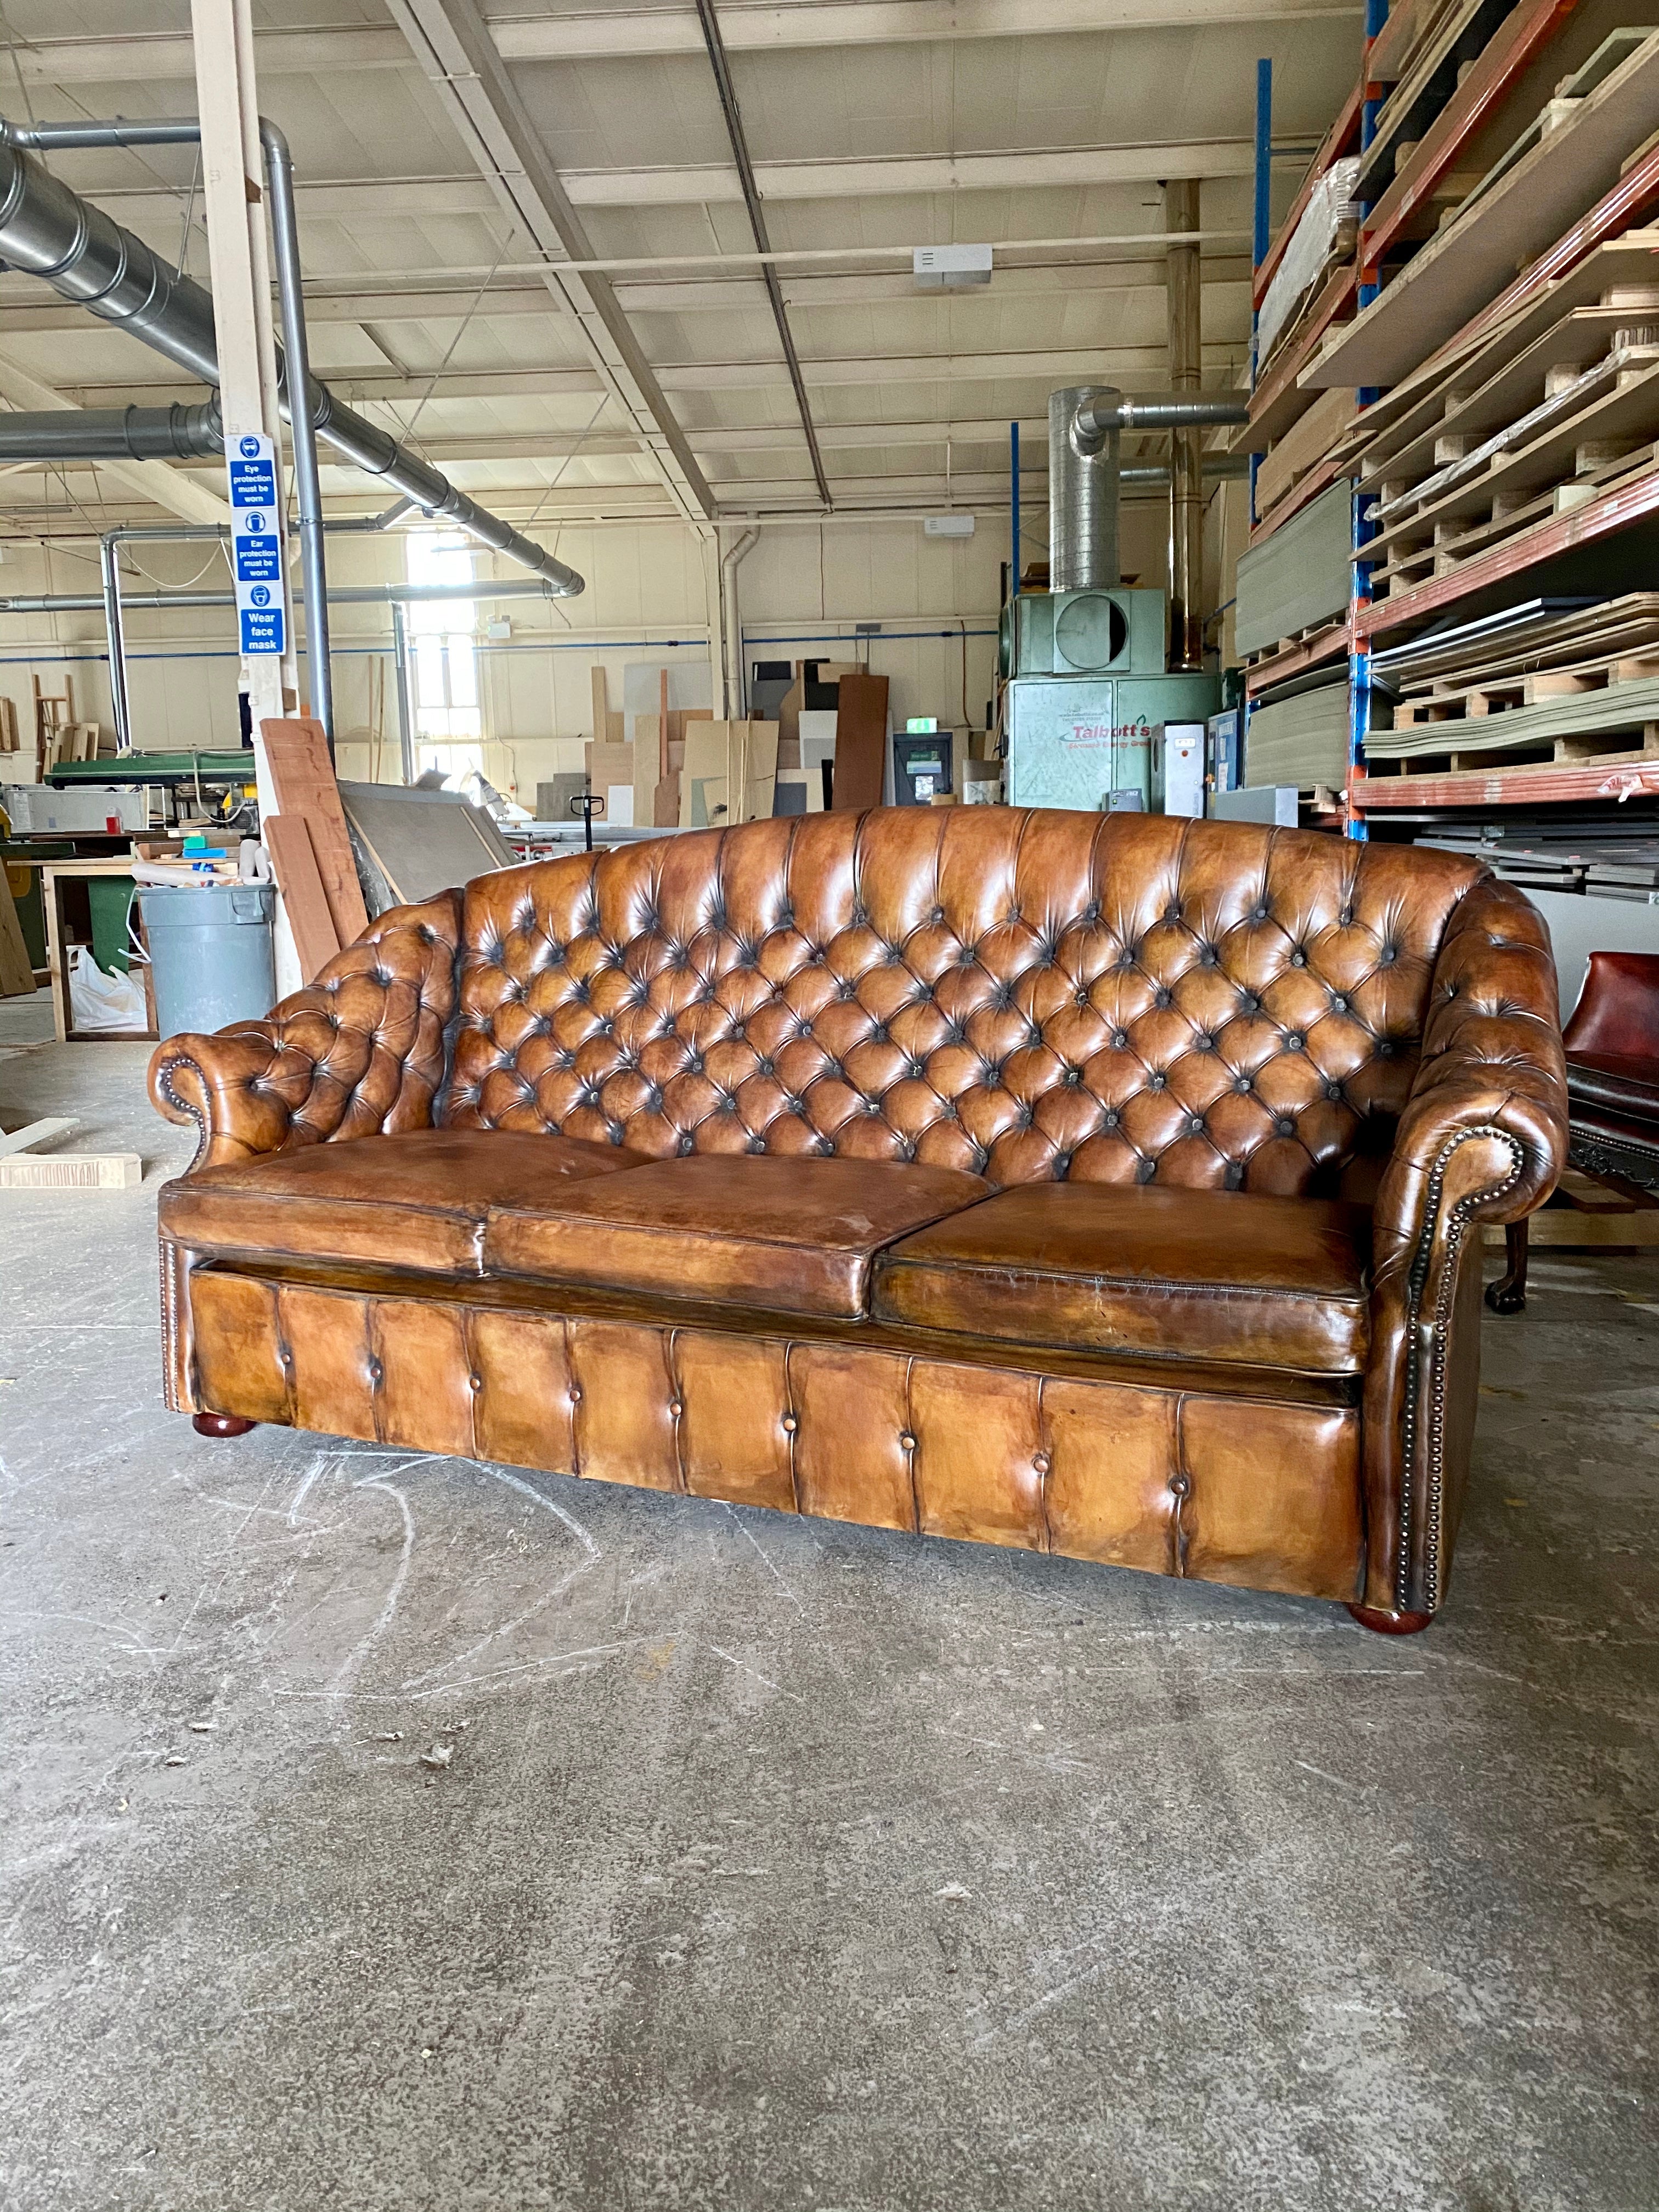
x,y
1100,1185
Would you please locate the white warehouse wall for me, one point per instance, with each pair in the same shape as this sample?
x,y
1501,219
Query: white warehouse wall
x,y
802,585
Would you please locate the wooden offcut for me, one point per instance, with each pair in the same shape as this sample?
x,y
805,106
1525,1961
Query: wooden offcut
x,y
288,840
16,976
860,743
302,777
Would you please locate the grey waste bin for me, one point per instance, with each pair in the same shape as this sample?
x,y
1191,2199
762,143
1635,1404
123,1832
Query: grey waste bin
x,y
210,955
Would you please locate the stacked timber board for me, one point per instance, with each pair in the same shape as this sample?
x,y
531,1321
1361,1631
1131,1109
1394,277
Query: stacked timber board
x,y
1551,679
1301,740
1298,577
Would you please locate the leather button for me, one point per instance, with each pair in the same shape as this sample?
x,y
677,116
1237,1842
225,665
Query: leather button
x,y
676,1407
575,1394
1040,1464
1180,1486
376,1372
475,1383
907,1441
790,1425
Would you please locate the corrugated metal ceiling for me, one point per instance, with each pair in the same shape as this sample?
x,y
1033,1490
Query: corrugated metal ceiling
x,y
871,124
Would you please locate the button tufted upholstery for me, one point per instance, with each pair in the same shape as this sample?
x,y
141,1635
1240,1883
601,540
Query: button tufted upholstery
x,y
1028,996
1024,998
359,1051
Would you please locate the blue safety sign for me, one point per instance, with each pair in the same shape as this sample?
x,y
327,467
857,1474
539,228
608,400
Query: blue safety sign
x,y
258,560
256,542
263,629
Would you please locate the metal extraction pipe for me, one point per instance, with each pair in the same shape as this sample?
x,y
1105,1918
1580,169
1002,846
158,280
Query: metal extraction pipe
x,y
1083,468
1184,297
49,232
1085,423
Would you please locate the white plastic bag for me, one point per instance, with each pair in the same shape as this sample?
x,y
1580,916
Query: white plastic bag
x,y
1305,256
98,1001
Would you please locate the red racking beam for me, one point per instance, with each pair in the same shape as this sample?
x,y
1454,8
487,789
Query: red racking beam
x,y
1505,55
1632,503
1544,785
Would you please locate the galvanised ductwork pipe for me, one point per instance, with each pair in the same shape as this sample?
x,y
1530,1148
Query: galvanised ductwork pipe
x,y
1083,489
1085,425
113,434
50,232
1102,411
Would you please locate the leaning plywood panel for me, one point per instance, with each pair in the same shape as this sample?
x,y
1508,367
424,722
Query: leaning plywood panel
x,y
16,976
422,843
860,743
302,776
304,901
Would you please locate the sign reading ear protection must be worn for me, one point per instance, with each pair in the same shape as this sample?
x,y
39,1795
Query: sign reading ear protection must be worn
x,y
256,544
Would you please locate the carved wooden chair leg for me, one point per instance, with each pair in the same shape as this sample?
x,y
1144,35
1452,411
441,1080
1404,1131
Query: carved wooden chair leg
x,y
1508,1295
1390,1624
222,1425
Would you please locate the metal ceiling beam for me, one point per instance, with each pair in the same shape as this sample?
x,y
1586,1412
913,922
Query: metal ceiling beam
x,y
449,40
1128,284
704,184
328,49
487,449
733,114
1146,365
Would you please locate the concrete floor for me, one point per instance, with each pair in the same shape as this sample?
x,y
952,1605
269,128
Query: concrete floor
x,y
779,1864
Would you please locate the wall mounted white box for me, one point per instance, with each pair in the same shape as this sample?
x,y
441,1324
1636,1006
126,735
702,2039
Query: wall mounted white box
x,y
947,525
950,268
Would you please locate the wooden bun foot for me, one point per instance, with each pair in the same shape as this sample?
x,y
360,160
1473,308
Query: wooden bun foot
x,y
1390,1624
222,1425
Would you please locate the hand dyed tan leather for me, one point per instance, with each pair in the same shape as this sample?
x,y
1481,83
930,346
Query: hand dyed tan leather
x,y
1212,1275
1027,998
789,1236
419,1201
358,1052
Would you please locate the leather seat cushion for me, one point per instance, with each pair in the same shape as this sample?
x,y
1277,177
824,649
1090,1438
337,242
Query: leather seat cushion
x,y
1611,1082
417,1199
1225,1276
783,1235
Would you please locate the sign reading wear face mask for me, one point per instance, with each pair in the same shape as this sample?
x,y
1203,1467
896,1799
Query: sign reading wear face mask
x,y
256,544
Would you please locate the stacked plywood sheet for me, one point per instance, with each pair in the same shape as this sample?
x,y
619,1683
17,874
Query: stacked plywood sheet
x,y
1298,578
1509,218
1301,740
1564,682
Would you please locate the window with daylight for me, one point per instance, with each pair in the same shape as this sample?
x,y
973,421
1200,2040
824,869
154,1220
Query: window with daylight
x,y
448,717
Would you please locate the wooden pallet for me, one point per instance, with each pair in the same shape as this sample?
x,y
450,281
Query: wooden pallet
x,y
1408,567
1611,748
1475,702
1615,402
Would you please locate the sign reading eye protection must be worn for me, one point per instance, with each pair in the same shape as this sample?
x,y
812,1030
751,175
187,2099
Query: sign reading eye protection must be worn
x,y
256,550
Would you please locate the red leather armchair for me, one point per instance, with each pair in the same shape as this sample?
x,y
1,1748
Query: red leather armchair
x,y
1612,1047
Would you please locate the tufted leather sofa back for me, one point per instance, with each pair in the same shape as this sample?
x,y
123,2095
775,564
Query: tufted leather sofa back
x,y
1027,995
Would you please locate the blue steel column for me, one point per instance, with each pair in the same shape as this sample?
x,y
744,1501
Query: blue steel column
x,y
1260,241
1364,529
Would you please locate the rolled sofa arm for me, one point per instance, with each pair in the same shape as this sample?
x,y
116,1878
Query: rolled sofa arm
x,y
1483,1137
358,1051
